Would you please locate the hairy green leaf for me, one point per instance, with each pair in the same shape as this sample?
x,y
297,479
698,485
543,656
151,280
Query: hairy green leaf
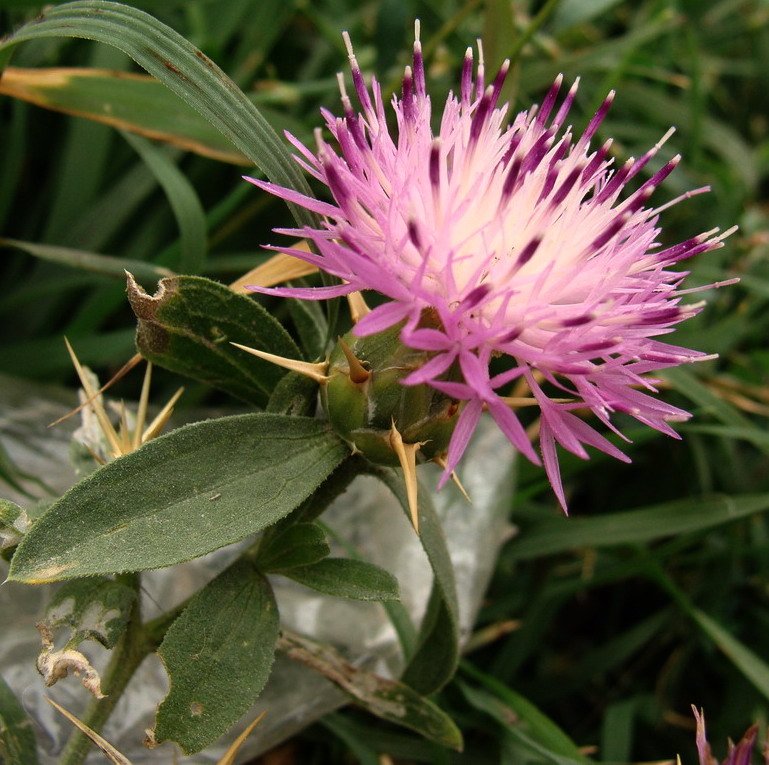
x,y
179,496
218,655
301,544
347,578
294,394
188,325
91,609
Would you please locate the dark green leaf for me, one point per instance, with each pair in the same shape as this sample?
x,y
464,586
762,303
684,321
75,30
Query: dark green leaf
x,y
218,655
298,545
434,661
437,654
90,261
184,201
388,699
17,738
182,495
188,325
500,701
91,609
685,516
124,100
346,578
519,727
753,667
174,61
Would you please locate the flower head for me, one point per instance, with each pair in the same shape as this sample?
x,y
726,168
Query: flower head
x,y
515,240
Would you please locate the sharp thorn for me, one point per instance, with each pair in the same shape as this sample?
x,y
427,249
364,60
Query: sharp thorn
x,y
316,372
358,373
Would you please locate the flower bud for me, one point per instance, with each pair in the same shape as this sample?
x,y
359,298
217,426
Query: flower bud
x,y
365,398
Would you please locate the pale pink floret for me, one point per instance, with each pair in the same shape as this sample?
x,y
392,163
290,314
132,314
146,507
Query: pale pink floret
x,y
518,237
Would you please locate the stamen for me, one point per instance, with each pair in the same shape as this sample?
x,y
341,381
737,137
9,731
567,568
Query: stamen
x,y
566,186
407,94
611,231
481,71
413,231
567,102
598,118
547,104
435,167
466,88
499,80
484,107
527,253
419,66
616,182
357,78
597,161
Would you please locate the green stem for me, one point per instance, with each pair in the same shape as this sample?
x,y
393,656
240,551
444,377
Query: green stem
x,y
128,654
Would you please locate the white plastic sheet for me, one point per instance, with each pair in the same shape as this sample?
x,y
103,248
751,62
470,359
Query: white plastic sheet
x,y
366,517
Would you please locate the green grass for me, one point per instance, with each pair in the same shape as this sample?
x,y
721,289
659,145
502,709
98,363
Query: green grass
x,y
655,596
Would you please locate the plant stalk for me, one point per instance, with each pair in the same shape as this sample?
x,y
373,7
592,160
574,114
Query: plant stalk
x,y
130,651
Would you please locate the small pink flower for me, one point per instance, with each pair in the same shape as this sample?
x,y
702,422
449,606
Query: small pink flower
x,y
518,239
741,754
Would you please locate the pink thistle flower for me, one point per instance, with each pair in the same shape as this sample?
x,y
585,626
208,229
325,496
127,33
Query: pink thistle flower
x,y
516,237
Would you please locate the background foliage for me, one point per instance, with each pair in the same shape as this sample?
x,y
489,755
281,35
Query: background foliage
x,y
654,595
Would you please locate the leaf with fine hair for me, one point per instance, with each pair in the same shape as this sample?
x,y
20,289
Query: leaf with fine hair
x,y
347,578
298,544
188,327
180,496
218,655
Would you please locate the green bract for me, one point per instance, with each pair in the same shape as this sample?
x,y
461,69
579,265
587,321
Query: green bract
x,y
364,405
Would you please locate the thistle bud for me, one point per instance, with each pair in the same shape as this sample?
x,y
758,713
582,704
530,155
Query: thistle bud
x,y
365,398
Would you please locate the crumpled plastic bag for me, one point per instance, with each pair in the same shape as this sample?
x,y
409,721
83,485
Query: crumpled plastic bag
x,y
366,516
